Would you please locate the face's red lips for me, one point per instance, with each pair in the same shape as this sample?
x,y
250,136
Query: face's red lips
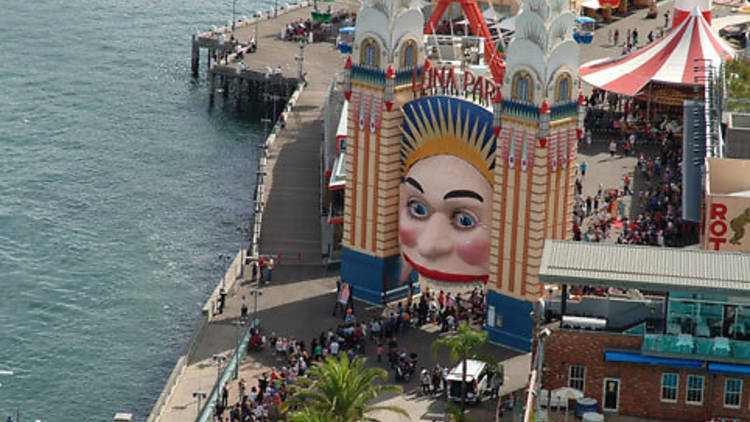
x,y
441,276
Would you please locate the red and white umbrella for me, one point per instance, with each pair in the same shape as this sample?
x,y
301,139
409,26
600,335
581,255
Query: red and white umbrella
x,y
672,59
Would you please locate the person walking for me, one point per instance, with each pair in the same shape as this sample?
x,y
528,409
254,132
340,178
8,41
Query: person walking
x,y
628,36
609,36
437,373
626,185
243,310
225,396
612,148
261,267
635,36
617,36
222,299
666,19
424,375
269,266
583,167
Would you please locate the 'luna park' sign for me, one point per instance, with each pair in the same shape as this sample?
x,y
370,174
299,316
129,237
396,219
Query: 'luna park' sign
x,y
446,80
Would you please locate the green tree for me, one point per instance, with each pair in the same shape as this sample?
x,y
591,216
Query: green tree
x,y
737,73
309,415
339,390
462,345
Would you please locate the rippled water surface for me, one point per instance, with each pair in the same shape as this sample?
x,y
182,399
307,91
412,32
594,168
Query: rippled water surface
x,y
121,194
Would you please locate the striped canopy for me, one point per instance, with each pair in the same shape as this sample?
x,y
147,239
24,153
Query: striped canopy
x,y
672,59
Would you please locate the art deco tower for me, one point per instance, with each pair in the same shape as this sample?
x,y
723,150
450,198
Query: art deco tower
x,y
534,167
387,48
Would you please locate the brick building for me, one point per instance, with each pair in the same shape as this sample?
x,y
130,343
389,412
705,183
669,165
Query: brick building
x,y
657,387
667,339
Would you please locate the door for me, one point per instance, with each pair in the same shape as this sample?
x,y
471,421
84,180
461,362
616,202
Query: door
x,y
611,397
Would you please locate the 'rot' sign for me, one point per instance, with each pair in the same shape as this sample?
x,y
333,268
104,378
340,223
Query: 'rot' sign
x,y
717,225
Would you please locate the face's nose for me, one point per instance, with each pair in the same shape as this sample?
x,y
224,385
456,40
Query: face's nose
x,y
435,239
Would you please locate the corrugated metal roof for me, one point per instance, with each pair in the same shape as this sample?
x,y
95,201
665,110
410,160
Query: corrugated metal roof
x,y
645,267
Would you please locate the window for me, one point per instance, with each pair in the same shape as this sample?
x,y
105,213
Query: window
x,y
577,377
732,392
669,383
409,54
694,389
370,53
522,87
562,89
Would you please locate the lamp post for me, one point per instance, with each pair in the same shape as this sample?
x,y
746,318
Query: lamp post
x,y
200,396
300,58
256,292
218,359
234,4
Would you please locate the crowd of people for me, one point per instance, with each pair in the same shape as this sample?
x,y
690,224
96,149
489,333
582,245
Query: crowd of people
x,y
312,31
655,208
262,402
351,336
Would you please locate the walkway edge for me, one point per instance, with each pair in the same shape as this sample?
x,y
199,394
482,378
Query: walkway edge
x,y
233,273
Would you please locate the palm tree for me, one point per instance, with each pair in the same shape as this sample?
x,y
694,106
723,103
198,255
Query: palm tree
x,y
309,415
462,346
339,390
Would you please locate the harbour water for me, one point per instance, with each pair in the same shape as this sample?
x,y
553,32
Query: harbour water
x,y
122,197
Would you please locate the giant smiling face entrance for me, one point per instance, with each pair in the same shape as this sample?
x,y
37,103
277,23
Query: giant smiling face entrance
x,y
445,198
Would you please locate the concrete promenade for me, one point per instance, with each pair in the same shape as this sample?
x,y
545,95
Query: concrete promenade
x,y
291,223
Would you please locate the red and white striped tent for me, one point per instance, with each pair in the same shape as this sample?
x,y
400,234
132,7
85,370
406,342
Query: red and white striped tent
x,y
672,60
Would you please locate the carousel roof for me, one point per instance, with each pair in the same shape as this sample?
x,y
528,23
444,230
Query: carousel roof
x,y
672,59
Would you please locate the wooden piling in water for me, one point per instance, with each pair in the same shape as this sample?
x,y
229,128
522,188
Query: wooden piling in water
x,y
211,86
195,56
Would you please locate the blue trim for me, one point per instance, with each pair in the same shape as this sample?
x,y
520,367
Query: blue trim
x,y
520,109
652,360
367,274
562,111
516,320
728,369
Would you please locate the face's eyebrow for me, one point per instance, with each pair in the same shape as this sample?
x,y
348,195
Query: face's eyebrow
x,y
463,194
414,183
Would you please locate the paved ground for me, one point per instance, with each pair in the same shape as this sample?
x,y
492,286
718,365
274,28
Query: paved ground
x,y
283,317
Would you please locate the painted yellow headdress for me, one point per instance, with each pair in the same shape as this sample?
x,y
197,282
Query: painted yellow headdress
x,y
448,126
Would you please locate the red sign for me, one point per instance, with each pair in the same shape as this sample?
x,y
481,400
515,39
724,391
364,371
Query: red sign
x,y
717,225
445,80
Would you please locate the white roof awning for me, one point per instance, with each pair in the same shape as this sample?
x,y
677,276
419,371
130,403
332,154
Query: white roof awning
x,y
343,119
645,267
338,173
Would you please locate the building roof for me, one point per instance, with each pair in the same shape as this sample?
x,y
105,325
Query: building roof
x,y
678,58
646,267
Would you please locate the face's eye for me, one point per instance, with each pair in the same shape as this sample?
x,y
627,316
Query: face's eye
x,y
417,209
463,220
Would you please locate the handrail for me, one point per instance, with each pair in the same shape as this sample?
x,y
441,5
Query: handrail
x,y
208,410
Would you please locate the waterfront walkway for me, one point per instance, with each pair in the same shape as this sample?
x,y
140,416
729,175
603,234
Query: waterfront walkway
x,y
291,223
